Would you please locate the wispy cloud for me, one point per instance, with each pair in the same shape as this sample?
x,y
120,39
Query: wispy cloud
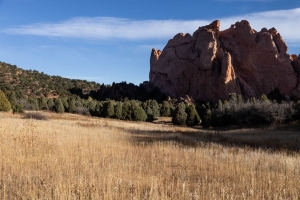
x,y
283,20
106,28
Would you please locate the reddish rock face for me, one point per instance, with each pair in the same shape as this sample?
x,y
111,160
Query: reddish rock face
x,y
212,63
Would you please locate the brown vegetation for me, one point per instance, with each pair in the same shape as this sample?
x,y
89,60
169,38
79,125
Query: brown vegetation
x,y
77,157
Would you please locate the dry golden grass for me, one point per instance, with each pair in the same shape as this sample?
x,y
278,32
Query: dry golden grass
x,y
75,157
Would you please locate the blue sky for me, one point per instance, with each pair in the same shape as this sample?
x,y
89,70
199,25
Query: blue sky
x,y
110,41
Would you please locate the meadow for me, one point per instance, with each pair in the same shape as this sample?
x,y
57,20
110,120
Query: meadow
x,y
77,157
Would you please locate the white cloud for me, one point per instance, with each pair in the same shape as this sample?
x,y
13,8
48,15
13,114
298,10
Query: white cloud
x,y
106,28
285,21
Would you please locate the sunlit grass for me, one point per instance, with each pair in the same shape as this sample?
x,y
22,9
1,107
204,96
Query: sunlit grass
x,y
74,157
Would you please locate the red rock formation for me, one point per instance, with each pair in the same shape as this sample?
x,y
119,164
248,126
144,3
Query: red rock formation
x,y
212,63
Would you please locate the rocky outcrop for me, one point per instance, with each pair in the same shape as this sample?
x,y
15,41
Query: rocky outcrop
x,y
210,64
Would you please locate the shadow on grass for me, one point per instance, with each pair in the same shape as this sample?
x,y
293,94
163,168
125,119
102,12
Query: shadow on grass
x,y
271,138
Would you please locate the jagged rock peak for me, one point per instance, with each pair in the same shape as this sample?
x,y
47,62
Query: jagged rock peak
x,y
210,64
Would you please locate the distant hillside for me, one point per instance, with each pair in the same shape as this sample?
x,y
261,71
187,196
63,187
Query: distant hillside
x,y
31,83
34,84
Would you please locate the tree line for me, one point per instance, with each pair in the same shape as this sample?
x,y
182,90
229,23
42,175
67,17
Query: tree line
x,y
266,110
32,90
132,110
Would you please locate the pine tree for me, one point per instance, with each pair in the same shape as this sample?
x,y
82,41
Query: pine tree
x,y
118,110
220,105
240,99
59,107
50,104
34,103
65,103
126,111
109,109
152,110
139,114
72,106
252,100
192,116
4,103
99,108
226,104
264,98
207,118
233,98
179,115
12,99
18,108
165,110
43,103
91,105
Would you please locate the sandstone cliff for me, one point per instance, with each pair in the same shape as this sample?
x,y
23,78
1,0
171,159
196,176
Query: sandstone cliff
x,y
210,64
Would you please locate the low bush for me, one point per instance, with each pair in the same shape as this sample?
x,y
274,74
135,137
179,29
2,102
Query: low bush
x,y
259,112
35,115
18,108
82,111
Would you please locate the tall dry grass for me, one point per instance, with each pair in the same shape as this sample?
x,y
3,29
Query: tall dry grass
x,y
73,157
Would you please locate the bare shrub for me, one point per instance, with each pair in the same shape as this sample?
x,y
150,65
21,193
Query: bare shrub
x,y
253,113
82,111
35,115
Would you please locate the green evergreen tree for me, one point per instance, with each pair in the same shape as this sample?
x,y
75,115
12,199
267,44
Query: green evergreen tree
x,y
43,103
109,109
201,111
179,115
220,105
240,99
118,110
126,111
207,118
59,107
18,108
139,114
50,104
233,98
225,104
34,103
152,110
4,103
19,94
252,100
72,106
78,102
99,108
91,105
165,110
192,116
12,99
264,98
65,103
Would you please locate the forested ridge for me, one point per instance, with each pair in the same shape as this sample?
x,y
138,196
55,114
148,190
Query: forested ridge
x,y
34,84
31,90
31,83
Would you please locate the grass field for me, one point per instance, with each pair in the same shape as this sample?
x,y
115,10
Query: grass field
x,y
75,157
